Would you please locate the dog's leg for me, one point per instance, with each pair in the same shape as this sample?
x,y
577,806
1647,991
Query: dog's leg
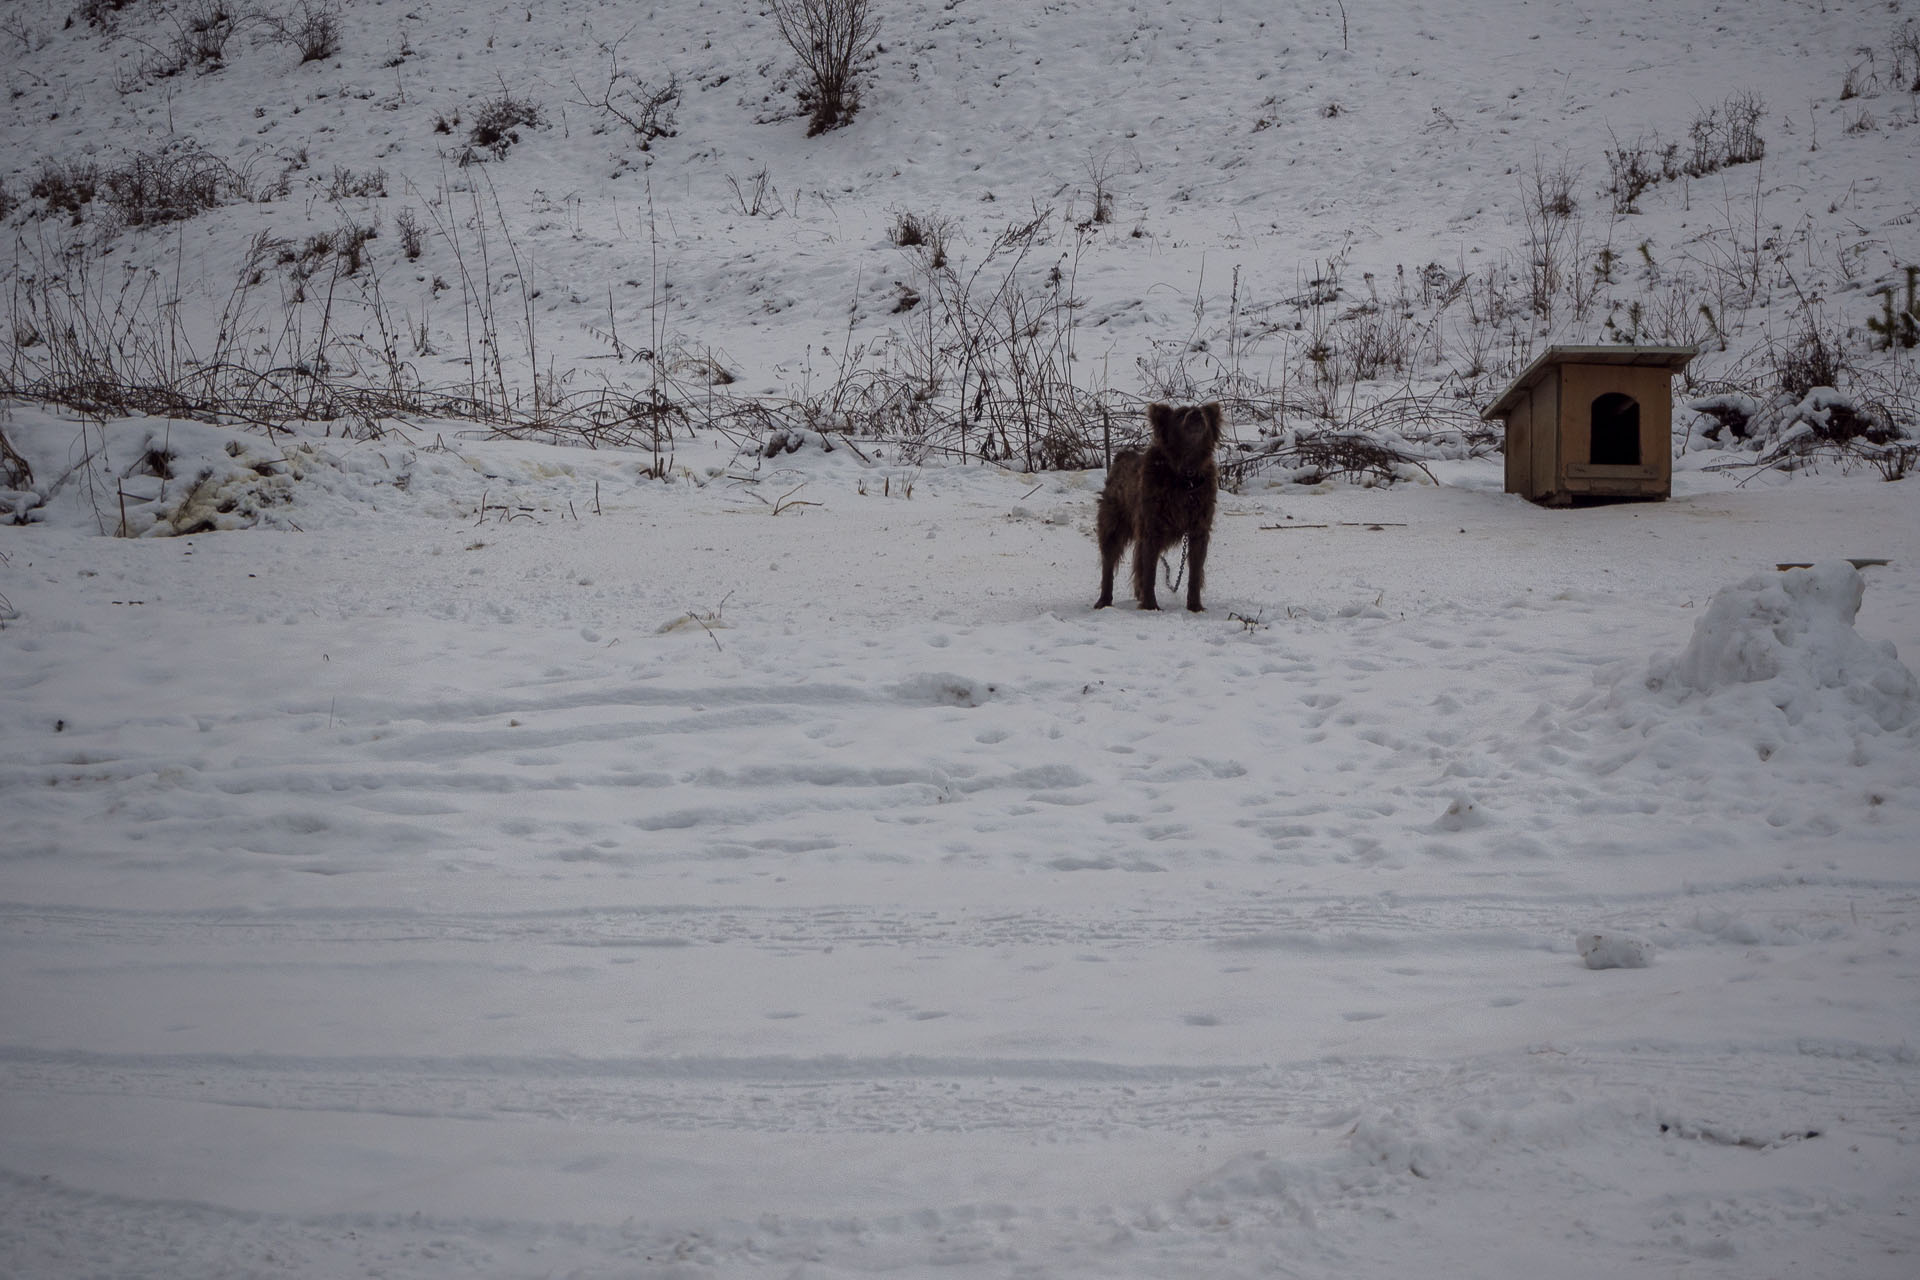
x,y
1146,563
1113,541
1196,567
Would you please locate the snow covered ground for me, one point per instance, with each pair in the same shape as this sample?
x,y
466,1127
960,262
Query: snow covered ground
x,y
466,856
681,885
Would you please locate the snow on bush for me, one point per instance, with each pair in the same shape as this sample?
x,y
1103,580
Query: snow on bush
x,y
1794,423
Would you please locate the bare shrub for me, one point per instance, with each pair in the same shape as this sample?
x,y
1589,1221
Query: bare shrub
x,y
31,39
1313,456
346,184
202,30
83,333
1896,461
1740,123
98,341
1725,135
167,186
1547,208
759,198
985,370
1905,49
100,13
149,188
342,250
1100,189
1870,418
1371,342
350,247
1704,136
1720,136
1550,190
66,186
497,122
1814,358
312,29
1848,428
412,234
831,39
926,232
1379,443
646,111
1634,168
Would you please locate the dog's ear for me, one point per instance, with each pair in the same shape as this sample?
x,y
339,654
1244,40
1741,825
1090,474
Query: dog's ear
x,y
1212,413
1159,418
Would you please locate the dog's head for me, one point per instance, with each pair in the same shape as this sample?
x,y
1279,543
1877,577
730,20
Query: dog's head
x,y
1188,433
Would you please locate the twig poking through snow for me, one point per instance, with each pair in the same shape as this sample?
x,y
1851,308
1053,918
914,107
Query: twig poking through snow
x,y
705,621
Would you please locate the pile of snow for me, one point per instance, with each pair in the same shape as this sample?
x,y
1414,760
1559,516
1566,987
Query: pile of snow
x,y
1787,641
161,477
157,477
1776,694
1613,950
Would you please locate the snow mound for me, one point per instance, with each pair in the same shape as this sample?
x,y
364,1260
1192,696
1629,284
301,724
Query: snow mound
x,y
1462,814
1375,1153
1613,950
166,477
205,484
1788,638
1775,694
161,477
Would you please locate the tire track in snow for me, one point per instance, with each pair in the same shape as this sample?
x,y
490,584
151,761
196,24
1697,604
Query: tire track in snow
x,y
835,1094
1771,911
1689,1088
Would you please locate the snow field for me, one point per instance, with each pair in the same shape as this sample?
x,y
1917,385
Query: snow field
x,y
426,894
454,856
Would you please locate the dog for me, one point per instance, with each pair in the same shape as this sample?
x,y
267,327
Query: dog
x,y
1152,499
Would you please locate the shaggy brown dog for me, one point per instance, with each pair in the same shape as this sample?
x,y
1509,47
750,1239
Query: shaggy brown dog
x,y
1154,499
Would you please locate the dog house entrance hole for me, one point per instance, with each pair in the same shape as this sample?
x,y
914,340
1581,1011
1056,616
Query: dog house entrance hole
x,y
1616,431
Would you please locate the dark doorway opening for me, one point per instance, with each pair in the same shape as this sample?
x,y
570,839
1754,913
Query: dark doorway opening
x,y
1616,431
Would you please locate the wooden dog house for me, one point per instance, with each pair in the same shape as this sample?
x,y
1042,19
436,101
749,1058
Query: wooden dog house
x,y
1591,422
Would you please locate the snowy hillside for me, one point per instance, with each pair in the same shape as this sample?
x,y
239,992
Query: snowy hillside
x,y
1304,208
532,744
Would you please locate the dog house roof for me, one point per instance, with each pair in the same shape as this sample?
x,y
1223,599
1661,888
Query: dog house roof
x,y
1672,359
